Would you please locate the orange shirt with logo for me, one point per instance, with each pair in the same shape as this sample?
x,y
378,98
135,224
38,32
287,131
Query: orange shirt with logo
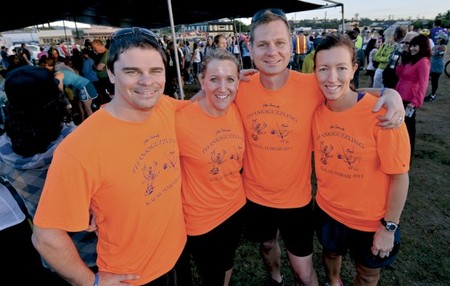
x,y
353,160
211,154
278,157
129,175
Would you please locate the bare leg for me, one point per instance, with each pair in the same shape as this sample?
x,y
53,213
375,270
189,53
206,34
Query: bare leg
x,y
271,254
87,106
228,277
332,263
366,276
303,270
82,113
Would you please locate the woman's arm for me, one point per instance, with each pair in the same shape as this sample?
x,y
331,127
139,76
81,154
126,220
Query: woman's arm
x,y
383,240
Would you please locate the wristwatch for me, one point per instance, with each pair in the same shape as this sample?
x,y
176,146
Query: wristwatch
x,y
389,225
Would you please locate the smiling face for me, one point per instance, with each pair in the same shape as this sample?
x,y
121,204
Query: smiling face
x,y
271,47
220,83
334,71
139,78
414,49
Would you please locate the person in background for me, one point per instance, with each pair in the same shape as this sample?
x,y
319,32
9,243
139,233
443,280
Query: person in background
x,y
359,42
36,123
196,61
360,57
88,72
63,50
220,42
212,191
301,48
172,87
42,53
16,248
426,32
209,44
390,77
437,29
121,165
25,51
414,73
4,55
382,57
437,63
276,105
308,62
370,69
105,86
83,89
246,58
362,184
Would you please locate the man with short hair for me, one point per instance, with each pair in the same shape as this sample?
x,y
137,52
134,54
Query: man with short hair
x,y
122,166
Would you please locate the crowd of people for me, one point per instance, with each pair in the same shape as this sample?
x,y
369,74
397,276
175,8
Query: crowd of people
x,y
147,184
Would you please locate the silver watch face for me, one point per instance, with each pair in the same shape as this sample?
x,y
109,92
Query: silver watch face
x,y
391,226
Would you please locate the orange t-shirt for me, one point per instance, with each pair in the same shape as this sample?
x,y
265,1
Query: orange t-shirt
x,y
211,153
277,160
129,174
353,160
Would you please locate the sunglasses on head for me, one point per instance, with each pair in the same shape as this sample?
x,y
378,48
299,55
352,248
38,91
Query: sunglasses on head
x,y
258,15
135,31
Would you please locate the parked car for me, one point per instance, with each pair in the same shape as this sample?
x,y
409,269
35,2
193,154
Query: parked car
x,y
34,50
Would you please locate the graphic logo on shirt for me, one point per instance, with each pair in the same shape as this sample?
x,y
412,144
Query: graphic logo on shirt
x,y
150,174
349,157
325,152
346,154
281,130
257,129
151,171
220,157
272,120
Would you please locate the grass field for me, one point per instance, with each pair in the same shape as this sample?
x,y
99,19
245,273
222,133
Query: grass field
x,y
424,258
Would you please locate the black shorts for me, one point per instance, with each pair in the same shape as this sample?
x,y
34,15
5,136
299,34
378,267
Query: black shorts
x,y
337,238
214,251
296,226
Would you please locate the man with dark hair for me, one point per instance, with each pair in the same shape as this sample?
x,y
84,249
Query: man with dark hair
x,y
122,166
36,123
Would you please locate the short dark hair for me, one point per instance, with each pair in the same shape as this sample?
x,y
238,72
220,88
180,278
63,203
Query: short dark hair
x,y
134,39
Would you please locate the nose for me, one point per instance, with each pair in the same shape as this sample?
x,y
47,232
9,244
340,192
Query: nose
x,y
145,79
332,75
222,85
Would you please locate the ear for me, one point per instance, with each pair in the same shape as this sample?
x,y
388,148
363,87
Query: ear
x,y
355,68
111,76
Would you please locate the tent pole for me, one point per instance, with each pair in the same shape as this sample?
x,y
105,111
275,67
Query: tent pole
x,y
339,4
175,44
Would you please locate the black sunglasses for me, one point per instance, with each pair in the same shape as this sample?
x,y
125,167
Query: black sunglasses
x,y
258,15
133,30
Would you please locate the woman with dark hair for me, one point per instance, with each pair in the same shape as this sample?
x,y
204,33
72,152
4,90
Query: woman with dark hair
x,y
413,71
361,170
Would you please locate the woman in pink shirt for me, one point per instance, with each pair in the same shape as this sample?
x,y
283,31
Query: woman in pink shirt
x,y
413,72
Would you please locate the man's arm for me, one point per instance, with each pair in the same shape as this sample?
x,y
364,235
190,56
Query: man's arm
x,y
58,250
392,101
